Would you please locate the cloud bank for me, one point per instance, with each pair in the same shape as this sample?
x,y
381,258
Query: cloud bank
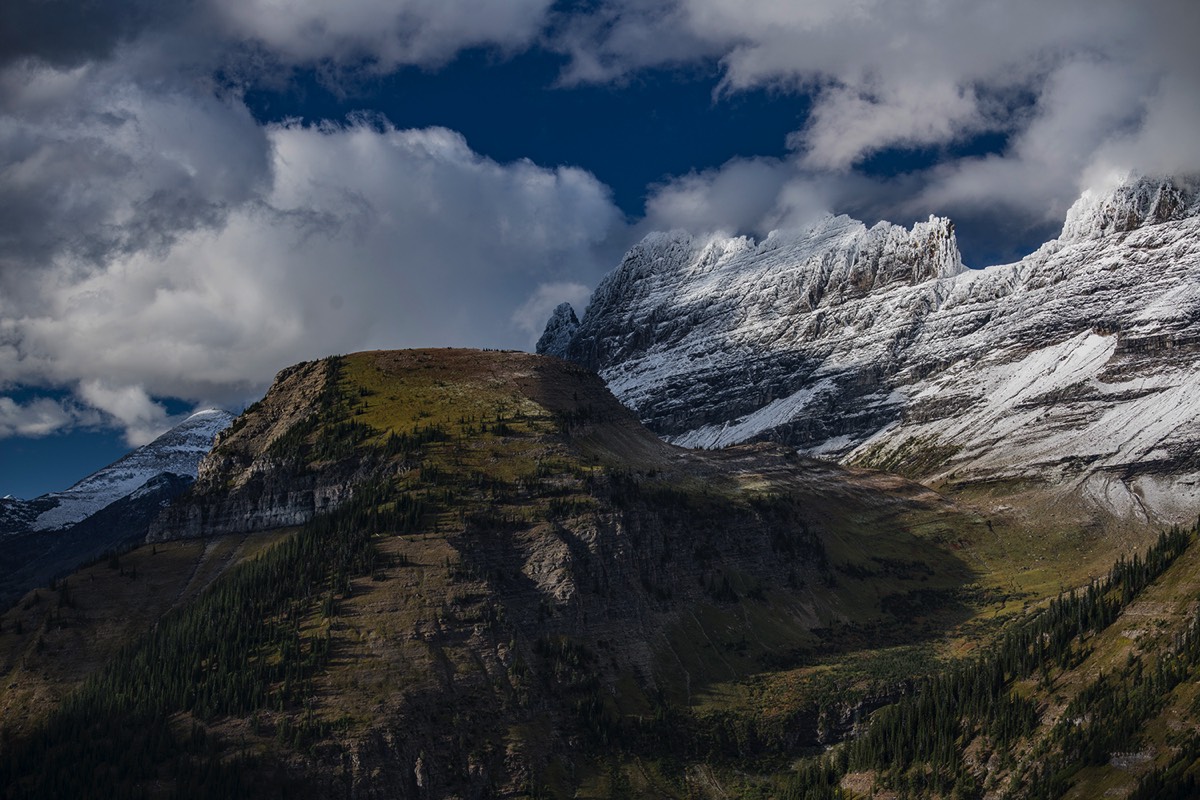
x,y
41,416
385,33
1080,89
181,279
157,241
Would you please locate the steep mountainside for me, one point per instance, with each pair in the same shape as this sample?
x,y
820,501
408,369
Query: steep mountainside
x,y
53,534
1075,368
559,330
501,585
510,574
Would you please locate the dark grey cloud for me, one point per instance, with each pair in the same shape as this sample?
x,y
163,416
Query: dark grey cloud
x,y
93,165
68,33
383,33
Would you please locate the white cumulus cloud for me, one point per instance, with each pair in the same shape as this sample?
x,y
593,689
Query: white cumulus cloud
x,y
142,418
187,251
1078,88
41,416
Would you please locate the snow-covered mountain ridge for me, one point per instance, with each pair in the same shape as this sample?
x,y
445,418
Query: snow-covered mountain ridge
x,y
1078,366
176,452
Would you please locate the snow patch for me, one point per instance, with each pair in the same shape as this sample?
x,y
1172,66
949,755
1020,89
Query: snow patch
x,y
769,416
178,451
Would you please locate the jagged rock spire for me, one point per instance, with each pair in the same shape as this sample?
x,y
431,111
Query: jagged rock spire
x,y
1132,204
561,327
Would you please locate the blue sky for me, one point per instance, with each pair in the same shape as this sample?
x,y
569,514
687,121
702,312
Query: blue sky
x,y
629,136
195,195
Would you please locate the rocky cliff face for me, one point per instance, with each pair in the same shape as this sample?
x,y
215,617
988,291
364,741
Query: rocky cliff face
x,y
559,331
1075,367
253,478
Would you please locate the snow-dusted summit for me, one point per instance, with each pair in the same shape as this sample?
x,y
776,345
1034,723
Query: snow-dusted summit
x,y
1078,366
1129,206
176,452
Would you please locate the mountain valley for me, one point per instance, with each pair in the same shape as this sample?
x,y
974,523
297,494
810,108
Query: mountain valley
x,y
936,539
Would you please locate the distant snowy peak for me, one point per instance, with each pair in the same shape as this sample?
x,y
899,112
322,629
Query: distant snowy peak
x,y
837,252
559,330
176,452
1130,205
1076,366
671,285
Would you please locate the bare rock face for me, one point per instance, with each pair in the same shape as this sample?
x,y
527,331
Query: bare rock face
x,y
1129,206
559,330
1076,367
249,481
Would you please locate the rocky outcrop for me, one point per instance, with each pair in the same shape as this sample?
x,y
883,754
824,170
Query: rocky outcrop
x,y
559,330
1073,367
1129,206
268,500
252,479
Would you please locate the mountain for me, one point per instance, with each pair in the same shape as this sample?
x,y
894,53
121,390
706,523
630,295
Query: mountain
x,y
452,574
483,567
1073,370
176,452
52,534
561,327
